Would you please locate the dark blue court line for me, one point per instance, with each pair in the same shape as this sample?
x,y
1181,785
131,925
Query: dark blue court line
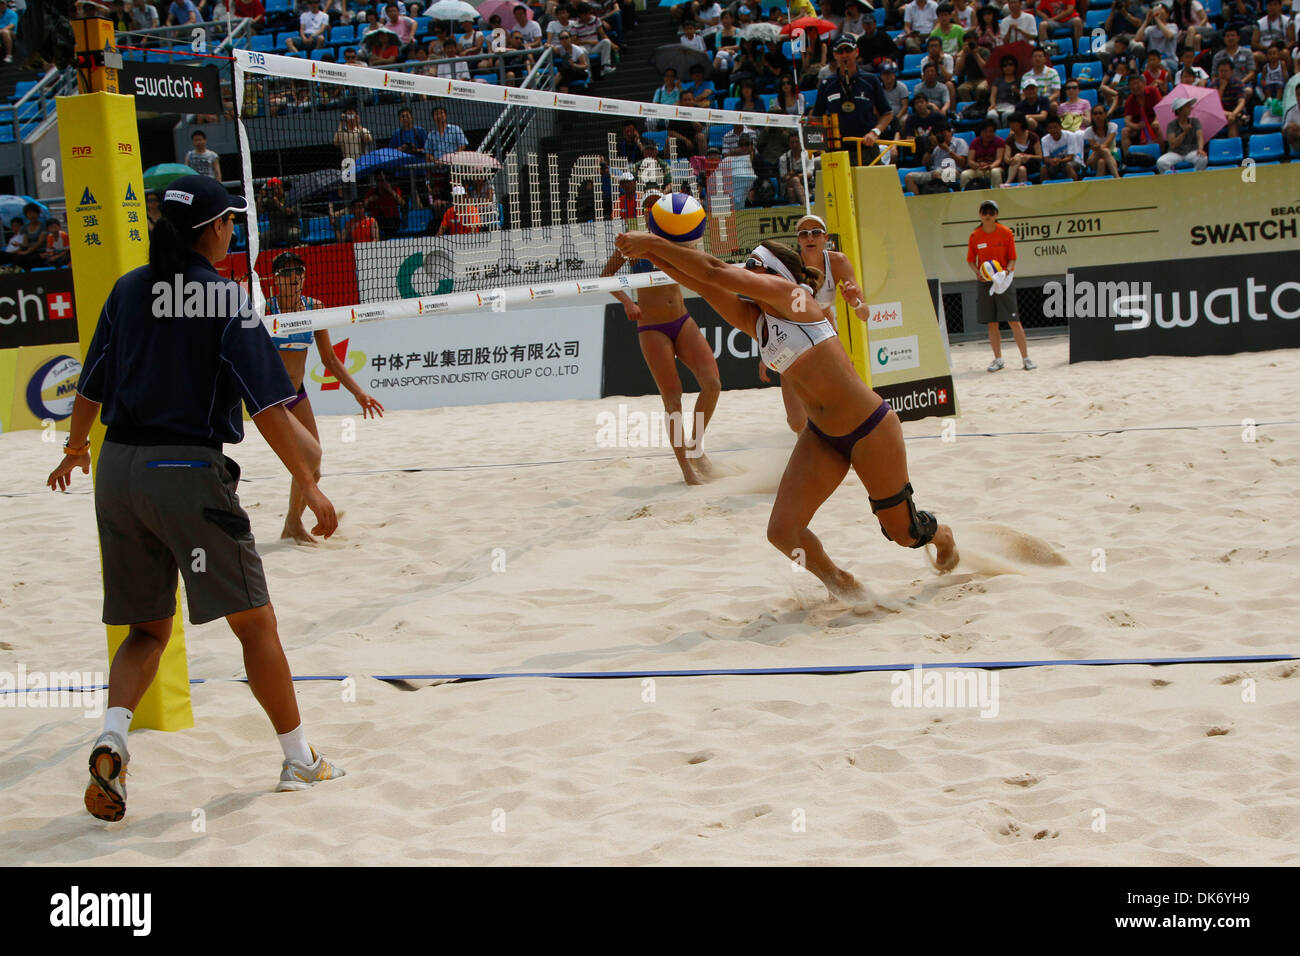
x,y
752,671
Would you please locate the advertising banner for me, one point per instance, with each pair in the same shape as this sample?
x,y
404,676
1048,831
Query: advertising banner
x,y
171,87
625,371
331,271
44,386
37,308
523,355
1214,306
1220,212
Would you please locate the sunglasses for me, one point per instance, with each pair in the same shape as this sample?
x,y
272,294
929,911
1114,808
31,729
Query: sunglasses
x,y
810,233
754,264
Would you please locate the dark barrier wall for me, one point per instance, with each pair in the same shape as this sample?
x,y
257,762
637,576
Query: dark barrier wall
x,y
37,308
1210,306
625,371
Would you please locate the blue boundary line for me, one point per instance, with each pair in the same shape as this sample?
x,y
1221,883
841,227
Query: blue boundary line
x,y
749,671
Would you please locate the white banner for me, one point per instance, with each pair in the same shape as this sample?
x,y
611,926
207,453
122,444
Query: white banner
x,y
520,355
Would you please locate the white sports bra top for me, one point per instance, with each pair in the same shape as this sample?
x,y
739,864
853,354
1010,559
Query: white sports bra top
x,y
781,341
826,293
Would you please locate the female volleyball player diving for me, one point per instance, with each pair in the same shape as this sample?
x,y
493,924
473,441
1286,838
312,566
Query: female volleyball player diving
x,y
836,270
289,272
771,299
667,332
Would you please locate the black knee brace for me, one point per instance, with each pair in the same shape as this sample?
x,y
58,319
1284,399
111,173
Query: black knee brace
x,y
924,524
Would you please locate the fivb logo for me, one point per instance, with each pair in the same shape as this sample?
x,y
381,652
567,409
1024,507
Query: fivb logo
x,y
75,909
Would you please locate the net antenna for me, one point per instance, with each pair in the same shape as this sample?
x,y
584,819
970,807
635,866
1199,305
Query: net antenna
x,y
472,220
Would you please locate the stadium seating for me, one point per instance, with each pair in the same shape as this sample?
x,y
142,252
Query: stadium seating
x,y
1088,73
417,220
1224,152
1146,149
1265,118
1096,18
318,230
1266,147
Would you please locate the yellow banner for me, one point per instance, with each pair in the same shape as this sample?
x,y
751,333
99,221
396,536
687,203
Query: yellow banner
x,y
109,235
1149,218
837,198
42,385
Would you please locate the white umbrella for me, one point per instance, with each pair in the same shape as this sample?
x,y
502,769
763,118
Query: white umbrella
x,y
766,32
452,10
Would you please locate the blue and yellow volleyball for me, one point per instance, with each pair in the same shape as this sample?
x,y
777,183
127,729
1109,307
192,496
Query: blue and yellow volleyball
x,y
678,217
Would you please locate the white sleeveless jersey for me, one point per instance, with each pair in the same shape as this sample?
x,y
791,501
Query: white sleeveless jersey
x,y
781,341
826,292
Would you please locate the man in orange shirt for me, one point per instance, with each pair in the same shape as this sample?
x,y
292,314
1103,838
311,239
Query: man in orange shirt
x,y
992,242
360,226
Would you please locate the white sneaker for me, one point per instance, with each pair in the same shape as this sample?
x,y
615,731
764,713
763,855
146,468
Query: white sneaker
x,y
106,792
1029,365
997,365
296,776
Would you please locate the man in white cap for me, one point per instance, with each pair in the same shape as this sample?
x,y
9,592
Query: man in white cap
x,y
1184,139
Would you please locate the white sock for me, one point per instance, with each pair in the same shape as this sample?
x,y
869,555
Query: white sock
x,y
294,745
117,720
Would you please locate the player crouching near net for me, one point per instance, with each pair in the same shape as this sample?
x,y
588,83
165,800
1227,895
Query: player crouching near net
x,y
771,299
667,332
836,270
170,388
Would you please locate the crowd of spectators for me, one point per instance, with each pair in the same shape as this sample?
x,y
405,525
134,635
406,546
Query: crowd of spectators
x,y
35,240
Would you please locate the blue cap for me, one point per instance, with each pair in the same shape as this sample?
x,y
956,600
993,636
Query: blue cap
x,y
194,201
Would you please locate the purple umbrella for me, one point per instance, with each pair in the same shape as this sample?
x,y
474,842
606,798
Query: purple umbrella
x,y
1208,108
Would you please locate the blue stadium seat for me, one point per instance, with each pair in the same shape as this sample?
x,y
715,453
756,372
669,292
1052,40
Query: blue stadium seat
x,y
1004,133
263,43
787,50
1224,152
1146,149
1088,73
1135,173
659,137
1065,49
277,6
423,26
1264,118
1213,8
912,64
1266,147
902,175
716,132
345,35
967,135
22,89
6,133
320,54
1089,95
1119,128
417,220
731,102
1096,17
318,229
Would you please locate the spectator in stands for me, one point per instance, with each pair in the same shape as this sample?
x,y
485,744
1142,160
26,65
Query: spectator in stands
x,y
473,209
382,47
1273,74
726,44
731,139
1113,89
531,30
571,63
969,68
384,202
984,158
1155,74
896,93
144,16
1056,14
55,252
1006,91
691,137
629,145
1043,76
1074,110
790,171
1232,96
1291,118
943,163
14,248
748,100
1273,27
988,27
1062,152
589,33
1193,23
1018,26
1120,51
854,22
152,208
734,176
874,46
691,38
182,12
857,98
313,26
352,139
701,89
559,24
9,26
473,43
446,50
951,35
1184,139
1159,34
250,10
1124,20
284,226
403,27
919,18
1023,153
444,137
935,90
943,65
1100,136
788,99
652,171
921,124
201,159
1242,60
1034,108
408,137
963,14
669,93
1187,61
358,226
28,241
350,57
1140,123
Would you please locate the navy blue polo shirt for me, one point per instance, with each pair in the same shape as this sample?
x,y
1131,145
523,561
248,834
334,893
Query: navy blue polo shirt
x,y
180,380
866,97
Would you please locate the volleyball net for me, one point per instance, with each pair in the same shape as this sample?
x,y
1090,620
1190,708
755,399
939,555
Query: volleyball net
x,y
412,194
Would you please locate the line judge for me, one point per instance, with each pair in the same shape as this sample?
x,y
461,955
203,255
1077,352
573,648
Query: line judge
x,y
169,389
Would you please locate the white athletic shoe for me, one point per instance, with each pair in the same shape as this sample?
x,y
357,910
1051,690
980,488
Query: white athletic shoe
x,y
296,776
106,792
1029,365
997,365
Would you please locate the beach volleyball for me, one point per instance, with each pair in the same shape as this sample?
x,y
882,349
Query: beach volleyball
x,y
678,217
989,269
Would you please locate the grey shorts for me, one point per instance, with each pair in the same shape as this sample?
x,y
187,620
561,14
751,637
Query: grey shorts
x,y
170,507
995,308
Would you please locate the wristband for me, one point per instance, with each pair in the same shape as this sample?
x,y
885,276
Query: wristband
x,y
76,451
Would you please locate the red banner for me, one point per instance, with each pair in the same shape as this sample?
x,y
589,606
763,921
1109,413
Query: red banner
x,y
331,271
